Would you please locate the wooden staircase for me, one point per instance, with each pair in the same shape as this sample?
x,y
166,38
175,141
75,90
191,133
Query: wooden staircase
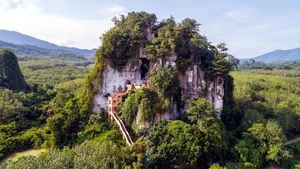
x,y
123,129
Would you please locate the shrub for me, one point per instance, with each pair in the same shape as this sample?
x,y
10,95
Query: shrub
x,y
144,103
166,82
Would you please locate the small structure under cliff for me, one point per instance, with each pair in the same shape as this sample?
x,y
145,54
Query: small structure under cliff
x,y
138,46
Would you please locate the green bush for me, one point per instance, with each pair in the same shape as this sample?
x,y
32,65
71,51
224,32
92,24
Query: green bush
x,y
199,142
96,125
262,143
12,140
173,144
92,155
166,82
144,103
217,166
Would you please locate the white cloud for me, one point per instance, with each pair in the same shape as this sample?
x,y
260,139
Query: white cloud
x,y
237,14
10,4
115,9
26,16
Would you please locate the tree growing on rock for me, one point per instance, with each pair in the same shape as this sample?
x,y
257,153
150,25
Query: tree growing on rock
x,y
10,74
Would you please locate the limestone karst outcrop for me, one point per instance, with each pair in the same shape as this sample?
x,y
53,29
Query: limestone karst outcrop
x,y
138,46
10,74
194,83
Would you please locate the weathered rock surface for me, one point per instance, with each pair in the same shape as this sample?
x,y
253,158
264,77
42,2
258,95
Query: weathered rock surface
x,y
194,83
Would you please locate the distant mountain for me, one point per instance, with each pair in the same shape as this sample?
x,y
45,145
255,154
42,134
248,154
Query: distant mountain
x,y
37,52
280,55
22,39
277,56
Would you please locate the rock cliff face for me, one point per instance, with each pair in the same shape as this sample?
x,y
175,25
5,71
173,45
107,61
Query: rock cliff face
x,y
113,80
194,83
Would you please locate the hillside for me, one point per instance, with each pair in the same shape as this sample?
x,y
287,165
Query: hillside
x,y
37,52
10,74
277,56
22,39
280,55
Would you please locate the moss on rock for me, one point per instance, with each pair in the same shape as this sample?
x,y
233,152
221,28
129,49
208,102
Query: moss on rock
x,y
10,74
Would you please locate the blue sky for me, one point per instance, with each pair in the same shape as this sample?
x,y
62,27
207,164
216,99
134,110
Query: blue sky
x,y
249,28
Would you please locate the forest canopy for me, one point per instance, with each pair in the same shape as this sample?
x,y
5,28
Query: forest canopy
x,y
160,39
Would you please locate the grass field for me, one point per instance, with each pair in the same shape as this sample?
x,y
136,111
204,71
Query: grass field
x,y
51,72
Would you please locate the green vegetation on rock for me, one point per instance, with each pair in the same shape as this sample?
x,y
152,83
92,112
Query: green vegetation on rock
x,y
10,74
166,82
144,104
122,42
139,30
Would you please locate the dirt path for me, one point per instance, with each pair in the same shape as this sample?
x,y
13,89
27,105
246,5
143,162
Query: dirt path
x,y
30,152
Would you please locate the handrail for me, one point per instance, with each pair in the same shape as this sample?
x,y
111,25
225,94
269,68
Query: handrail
x,y
123,129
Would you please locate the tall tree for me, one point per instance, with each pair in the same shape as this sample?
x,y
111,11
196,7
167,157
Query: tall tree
x,y
262,143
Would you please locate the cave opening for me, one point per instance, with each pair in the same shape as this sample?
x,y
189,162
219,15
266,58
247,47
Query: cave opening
x,y
144,67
